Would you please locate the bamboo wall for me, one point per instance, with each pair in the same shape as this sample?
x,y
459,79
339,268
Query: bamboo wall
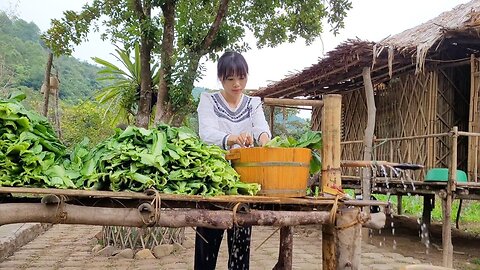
x,y
412,105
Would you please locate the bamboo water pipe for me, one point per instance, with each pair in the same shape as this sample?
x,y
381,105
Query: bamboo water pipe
x,y
367,163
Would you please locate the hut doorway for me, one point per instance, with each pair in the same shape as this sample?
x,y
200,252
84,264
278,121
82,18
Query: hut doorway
x,y
453,103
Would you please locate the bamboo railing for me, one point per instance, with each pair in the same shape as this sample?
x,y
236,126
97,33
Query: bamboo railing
x,y
431,150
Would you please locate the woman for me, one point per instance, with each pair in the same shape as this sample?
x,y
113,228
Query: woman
x,y
229,119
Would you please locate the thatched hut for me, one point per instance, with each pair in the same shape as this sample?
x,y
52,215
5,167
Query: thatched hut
x,y
425,81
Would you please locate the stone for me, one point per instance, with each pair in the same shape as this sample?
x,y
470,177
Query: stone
x,y
144,254
107,251
162,250
127,253
188,243
177,247
97,248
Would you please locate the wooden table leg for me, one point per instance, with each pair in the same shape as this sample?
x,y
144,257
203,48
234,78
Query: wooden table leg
x,y
428,205
285,254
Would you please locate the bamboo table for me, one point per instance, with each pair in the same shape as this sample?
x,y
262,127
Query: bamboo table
x,y
19,204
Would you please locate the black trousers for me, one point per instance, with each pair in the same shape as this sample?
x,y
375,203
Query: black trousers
x,y
206,252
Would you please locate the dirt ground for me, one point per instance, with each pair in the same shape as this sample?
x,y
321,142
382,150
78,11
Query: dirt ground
x,y
405,239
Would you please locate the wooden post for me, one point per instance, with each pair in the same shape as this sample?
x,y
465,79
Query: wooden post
x,y
369,133
331,174
432,116
428,203
331,151
399,205
329,256
285,252
349,239
473,126
272,119
447,203
46,97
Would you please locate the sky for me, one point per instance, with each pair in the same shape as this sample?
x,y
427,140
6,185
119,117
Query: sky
x,y
371,20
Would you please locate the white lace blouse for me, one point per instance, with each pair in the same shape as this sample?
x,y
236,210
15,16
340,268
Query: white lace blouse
x,y
217,121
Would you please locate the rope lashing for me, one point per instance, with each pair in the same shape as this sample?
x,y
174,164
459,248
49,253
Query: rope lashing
x,y
239,207
360,218
60,213
154,208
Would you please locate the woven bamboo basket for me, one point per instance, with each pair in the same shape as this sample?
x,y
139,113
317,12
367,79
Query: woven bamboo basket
x,y
141,238
282,172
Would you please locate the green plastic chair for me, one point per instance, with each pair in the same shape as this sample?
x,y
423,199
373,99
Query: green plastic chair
x,y
441,175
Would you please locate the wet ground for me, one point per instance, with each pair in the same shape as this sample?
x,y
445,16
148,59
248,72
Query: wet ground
x,y
406,240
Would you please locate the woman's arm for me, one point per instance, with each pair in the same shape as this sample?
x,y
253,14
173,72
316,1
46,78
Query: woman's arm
x,y
261,129
208,126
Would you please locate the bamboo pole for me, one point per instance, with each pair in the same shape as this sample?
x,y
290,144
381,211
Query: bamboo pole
x,y
432,107
131,217
368,163
447,203
331,150
472,122
292,102
331,174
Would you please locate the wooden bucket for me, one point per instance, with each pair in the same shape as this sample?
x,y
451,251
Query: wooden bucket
x,y
282,172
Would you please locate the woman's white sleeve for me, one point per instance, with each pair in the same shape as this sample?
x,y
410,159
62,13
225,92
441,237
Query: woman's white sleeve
x,y
208,126
259,122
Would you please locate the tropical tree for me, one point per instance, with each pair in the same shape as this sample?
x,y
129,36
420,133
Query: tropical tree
x,y
121,93
184,31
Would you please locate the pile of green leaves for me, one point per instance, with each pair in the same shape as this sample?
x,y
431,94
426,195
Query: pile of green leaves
x,y
30,152
310,139
169,159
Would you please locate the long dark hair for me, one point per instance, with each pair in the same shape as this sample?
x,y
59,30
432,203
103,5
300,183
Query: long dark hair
x,y
231,64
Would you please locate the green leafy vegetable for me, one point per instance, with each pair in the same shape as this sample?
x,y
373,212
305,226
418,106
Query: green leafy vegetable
x,y
30,152
310,139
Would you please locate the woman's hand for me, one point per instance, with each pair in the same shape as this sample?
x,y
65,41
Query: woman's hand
x,y
244,139
263,139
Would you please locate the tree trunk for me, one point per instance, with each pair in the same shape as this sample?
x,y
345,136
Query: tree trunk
x,y
46,80
57,112
163,108
145,100
369,132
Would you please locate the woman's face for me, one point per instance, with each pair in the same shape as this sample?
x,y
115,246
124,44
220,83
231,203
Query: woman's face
x,y
234,84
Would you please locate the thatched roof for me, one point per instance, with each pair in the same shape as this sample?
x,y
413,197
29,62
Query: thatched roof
x,y
450,37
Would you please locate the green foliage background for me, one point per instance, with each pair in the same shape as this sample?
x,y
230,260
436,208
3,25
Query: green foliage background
x,y
23,58
23,54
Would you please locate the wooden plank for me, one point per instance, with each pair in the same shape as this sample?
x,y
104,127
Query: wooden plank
x,y
306,201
